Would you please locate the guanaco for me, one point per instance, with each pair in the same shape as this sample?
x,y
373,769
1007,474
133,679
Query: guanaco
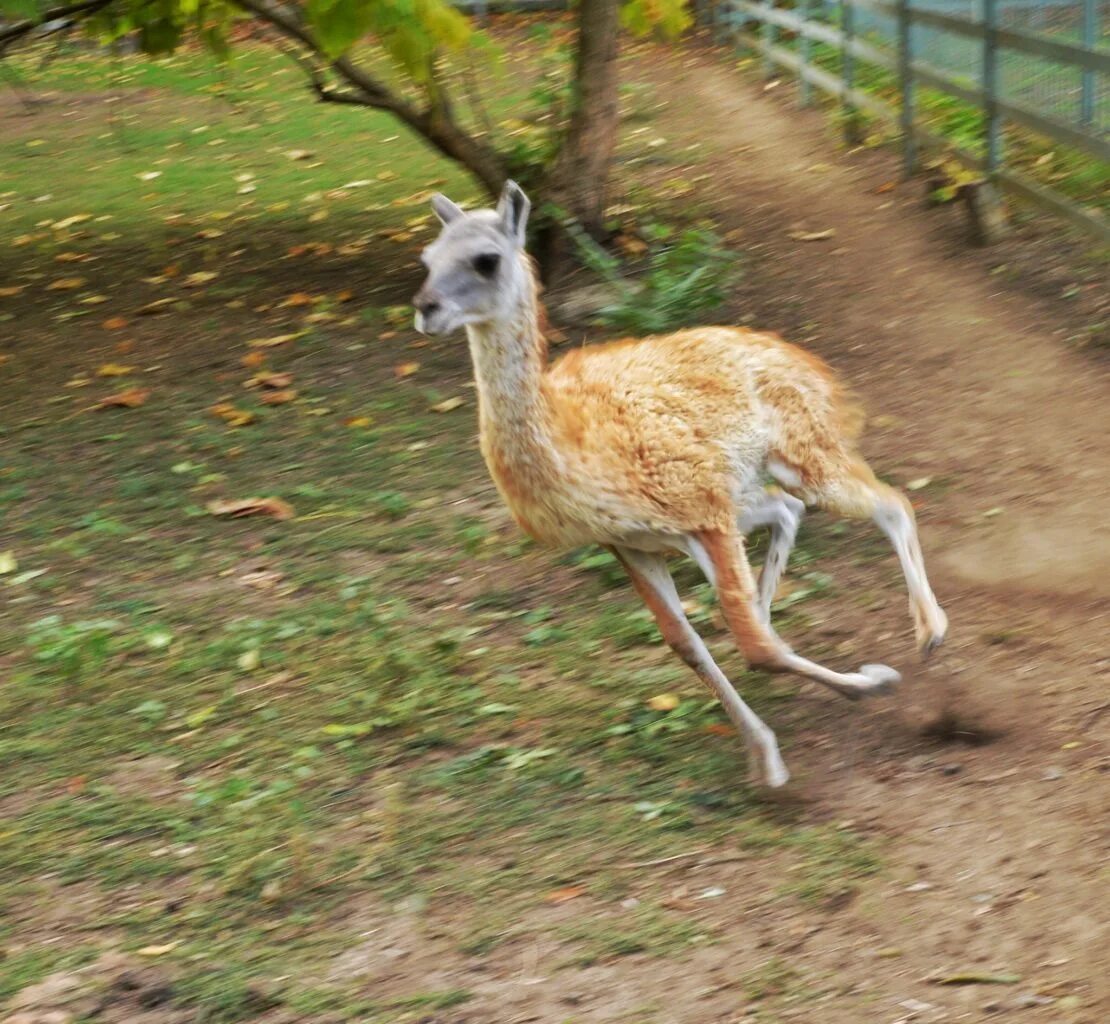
x,y
662,445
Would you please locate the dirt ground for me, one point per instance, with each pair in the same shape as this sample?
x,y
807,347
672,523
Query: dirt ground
x,y
985,779
988,774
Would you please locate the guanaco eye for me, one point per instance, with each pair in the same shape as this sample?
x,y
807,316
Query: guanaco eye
x,y
486,264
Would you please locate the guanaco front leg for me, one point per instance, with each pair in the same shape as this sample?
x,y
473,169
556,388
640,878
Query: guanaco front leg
x,y
652,580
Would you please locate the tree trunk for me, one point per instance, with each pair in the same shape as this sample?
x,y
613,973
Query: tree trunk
x,y
580,176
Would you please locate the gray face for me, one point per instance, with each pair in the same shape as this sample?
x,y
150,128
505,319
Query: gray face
x,y
475,269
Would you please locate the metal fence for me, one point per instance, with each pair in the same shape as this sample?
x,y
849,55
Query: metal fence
x,y
1039,68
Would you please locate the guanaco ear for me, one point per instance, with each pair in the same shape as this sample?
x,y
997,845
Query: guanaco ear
x,y
445,209
512,208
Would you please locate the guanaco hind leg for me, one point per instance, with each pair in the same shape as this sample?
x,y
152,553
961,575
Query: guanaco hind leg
x,y
845,484
757,641
783,513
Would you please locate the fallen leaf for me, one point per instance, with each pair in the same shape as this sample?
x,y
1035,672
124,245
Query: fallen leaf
x,y
277,339
124,347
630,245
268,379
11,292
919,484
975,978
115,323
65,284
448,404
169,947
232,416
278,397
199,278
299,154
719,729
68,222
76,784
570,892
7,562
114,370
132,398
298,299
406,369
358,421
344,296
276,507
149,175
253,359
663,702
812,236
157,306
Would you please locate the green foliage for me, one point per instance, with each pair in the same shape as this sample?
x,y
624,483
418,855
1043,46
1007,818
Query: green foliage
x,y
688,272
70,650
668,17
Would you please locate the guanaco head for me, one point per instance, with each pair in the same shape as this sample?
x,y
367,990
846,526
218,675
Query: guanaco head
x,y
476,269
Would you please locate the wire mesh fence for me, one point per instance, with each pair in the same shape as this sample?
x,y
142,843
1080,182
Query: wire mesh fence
x,y
1017,87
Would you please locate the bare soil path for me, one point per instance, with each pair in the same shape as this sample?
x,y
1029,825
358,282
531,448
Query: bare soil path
x,y
999,839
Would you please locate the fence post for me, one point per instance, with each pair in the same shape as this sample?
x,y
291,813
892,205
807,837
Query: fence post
x,y
905,81
803,55
769,37
1090,37
848,69
990,84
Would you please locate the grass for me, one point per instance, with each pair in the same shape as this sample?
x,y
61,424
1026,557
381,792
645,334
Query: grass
x,y
238,740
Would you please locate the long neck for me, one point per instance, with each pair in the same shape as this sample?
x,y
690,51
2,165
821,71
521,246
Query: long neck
x,y
510,356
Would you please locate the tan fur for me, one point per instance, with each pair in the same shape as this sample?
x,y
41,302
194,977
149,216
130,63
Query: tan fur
x,y
650,435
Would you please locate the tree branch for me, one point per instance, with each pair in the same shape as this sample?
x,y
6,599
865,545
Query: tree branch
x,y
11,33
434,123
377,94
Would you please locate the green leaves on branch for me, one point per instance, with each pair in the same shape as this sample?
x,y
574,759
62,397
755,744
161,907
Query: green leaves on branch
x,y
18,10
669,17
410,31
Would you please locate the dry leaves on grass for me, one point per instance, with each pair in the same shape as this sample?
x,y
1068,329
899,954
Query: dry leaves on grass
x,y
232,416
405,369
268,379
65,284
663,702
275,507
156,307
297,299
201,277
448,404
114,370
564,895
115,323
278,397
11,292
277,339
132,398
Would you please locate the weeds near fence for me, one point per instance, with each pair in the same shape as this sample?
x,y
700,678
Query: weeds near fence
x,y
686,272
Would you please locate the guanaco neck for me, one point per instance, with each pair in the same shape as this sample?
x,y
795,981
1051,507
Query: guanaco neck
x,y
510,357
